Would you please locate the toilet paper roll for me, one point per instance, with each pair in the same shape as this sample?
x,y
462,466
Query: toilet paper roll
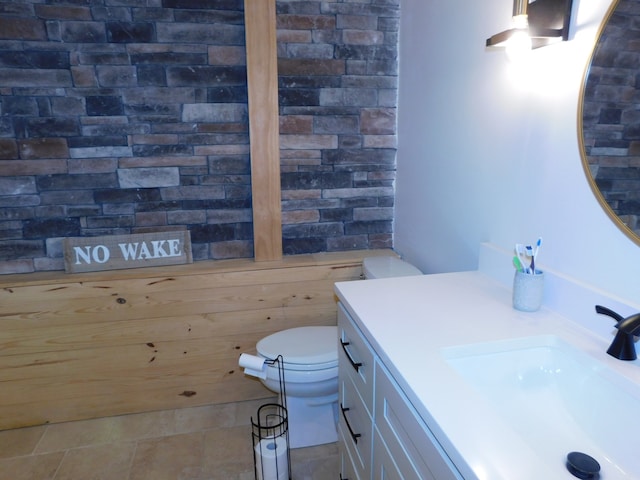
x,y
272,459
253,365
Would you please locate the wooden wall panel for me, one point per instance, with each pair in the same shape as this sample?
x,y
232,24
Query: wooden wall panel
x,y
108,343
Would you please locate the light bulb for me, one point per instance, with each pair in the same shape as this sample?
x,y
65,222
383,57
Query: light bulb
x,y
519,45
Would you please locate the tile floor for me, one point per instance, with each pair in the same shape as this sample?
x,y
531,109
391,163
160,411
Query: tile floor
x,y
199,443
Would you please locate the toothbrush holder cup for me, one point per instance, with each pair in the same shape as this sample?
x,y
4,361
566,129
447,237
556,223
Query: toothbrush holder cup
x,y
528,290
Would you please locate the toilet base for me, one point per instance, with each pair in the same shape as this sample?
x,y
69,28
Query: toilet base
x,y
311,425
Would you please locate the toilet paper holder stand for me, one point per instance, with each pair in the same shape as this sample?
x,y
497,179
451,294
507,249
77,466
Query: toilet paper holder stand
x,y
270,434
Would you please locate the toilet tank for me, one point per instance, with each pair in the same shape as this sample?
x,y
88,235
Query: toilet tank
x,y
385,267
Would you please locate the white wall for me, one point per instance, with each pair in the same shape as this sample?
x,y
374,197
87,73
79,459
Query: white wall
x,y
488,155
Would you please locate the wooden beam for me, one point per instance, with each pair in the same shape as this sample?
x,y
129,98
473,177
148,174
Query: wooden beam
x,y
262,80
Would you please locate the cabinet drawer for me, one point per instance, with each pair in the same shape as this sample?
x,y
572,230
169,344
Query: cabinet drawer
x,y
355,426
348,469
355,357
409,441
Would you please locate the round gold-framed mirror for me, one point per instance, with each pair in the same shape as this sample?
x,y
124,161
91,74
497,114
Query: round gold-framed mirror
x,y
609,116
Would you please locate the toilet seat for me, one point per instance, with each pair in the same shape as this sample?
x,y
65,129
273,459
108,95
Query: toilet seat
x,y
302,348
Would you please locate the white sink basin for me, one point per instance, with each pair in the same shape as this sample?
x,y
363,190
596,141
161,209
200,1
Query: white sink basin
x,y
557,399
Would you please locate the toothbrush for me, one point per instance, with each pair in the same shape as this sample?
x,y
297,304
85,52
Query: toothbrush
x,y
533,254
518,264
520,253
538,243
530,254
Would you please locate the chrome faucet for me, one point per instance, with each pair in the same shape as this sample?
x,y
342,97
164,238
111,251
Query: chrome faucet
x,y
623,346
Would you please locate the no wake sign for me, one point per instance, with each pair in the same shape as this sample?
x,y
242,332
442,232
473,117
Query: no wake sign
x,y
114,252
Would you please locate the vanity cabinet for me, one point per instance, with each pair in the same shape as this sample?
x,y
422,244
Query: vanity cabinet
x,y
380,433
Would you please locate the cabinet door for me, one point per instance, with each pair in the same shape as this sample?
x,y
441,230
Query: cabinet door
x,y
385,467
415,450
355,357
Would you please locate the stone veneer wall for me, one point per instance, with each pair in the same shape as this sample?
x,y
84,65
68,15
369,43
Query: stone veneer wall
x,y
611,119
126,116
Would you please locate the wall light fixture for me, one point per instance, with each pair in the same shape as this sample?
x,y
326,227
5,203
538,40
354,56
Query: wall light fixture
x,y
536,23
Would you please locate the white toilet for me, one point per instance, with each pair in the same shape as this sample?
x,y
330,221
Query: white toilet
x,y
310,358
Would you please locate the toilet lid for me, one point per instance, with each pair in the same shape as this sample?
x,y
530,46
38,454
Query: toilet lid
x,y
302,345
387,267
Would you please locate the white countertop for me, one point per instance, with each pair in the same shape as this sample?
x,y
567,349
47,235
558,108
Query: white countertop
x,y
409,320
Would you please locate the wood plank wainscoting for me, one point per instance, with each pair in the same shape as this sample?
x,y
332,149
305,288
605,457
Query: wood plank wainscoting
x,y
109,343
